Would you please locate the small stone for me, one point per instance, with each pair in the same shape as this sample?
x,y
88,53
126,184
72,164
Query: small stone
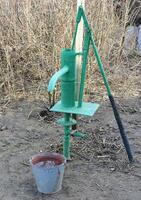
x,y
2,128
112,169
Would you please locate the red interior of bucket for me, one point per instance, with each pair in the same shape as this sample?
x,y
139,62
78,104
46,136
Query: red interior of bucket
x,y
56,158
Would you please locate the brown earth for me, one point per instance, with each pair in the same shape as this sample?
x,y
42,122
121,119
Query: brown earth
x,y
99,168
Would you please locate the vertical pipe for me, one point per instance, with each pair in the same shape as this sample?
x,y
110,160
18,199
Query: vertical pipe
x,y
84,65
66,147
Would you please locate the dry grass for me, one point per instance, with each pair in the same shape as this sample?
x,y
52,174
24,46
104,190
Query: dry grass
x,y
32,34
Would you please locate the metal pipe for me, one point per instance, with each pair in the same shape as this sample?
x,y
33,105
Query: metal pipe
x,y
55,77
113,104
66,146
111,98
84,64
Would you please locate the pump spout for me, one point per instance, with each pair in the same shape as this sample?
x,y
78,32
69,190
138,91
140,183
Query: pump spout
x,y
55,77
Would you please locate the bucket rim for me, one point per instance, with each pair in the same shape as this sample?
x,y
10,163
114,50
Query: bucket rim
x,y
37,158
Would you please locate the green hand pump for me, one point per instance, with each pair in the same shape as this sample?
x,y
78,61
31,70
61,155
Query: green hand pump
x,y
68,105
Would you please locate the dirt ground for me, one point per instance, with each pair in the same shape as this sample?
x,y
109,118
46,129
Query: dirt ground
x,y
99,168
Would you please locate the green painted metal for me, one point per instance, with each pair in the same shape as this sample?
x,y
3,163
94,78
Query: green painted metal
x,y
66,145
101,68
111,98
68,79
87,109
67,94
84,64
68,59
68,105
55,77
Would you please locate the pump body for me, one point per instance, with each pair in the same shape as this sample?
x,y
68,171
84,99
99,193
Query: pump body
x,y
68,105
68,79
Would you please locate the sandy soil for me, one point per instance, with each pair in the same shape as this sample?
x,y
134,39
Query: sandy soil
x,y
99,168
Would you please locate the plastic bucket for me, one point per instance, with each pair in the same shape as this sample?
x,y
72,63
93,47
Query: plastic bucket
x,y
48,170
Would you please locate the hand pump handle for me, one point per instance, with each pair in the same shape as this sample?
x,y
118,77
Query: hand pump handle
x,y
81,14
